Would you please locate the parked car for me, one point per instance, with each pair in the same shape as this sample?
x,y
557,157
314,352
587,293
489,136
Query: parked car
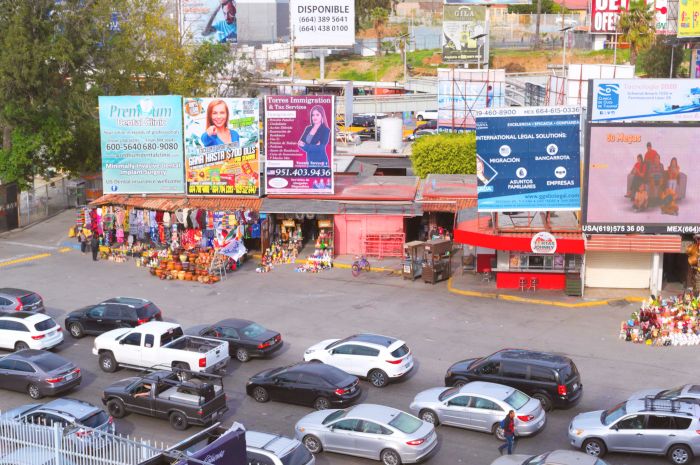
x,y
80,420
649,426
159,344
426,115
555,457
119,312
685,393
38,373
15,300
314,384
272,449
430,127
377,358
166,395
366,430
26,330
480,406
552,379
245,338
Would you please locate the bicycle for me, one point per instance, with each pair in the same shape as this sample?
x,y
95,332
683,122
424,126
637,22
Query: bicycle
x,y
359,265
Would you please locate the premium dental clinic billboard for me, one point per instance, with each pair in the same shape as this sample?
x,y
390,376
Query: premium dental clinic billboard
x,y
299,144
141,144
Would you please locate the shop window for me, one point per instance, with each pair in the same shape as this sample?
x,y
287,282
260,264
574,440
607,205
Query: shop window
x,y
535,262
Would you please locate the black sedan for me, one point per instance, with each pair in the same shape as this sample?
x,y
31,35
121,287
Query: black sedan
x,y
38,373
119,312
245,338
308,383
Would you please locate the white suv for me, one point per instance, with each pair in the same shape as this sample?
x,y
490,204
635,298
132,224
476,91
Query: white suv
x,y
24,330
377,358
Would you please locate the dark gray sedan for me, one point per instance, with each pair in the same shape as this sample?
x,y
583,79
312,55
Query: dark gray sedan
x,y
38,373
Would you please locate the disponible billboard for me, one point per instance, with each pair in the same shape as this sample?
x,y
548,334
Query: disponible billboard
x,y
323,24
299,142
459,24
141,144
640,179
644,100
528,159
222,146
208,21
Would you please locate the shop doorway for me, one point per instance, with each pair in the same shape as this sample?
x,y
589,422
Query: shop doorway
x,y
414,227
303,233
676,271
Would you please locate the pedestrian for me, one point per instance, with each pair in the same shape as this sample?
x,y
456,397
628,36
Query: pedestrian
x,y
94,246
83,240
508,425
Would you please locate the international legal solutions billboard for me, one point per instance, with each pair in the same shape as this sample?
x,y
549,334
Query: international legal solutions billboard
x,y
528,159
222,143
141,144
640,179
299,143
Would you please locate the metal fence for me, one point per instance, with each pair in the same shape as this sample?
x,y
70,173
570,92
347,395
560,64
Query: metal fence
x,y
46,200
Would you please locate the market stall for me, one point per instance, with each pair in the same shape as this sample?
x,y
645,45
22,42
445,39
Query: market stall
x,y
413,260
674,321
437,260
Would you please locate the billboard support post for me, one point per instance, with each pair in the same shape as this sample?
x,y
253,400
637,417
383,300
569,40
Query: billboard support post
x,y
487,27
322,64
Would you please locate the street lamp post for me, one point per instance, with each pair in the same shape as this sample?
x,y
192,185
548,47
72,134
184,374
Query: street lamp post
x,y
563,47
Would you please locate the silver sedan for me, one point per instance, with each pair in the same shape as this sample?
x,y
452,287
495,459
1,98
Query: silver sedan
x,y
366,430
480,406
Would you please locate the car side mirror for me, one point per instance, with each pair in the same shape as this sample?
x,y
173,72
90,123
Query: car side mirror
x,y
121,341
616,428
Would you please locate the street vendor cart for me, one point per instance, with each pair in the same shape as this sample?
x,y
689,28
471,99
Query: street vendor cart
x,y
413,259
437,263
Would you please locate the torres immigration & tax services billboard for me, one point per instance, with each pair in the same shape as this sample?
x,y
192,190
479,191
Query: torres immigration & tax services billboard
x,y
141,144
640,179
528,159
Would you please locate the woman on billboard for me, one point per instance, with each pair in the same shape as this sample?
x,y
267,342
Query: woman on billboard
x,y
315,138
218,132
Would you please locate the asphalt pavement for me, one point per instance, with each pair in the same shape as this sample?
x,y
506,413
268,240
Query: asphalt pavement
x,y
439,327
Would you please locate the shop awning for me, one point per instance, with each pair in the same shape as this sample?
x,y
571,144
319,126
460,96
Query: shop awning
x,y
334,207
634,243
172,203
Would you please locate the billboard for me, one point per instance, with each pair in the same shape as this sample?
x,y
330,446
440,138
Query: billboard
x,y
639,179
644,100
605,13
321,24
688,18
299,144
461,91
528,159
459,24
695,63
141,144
208,21
222,146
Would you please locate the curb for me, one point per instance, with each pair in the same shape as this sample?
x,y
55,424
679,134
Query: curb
x,y
551,303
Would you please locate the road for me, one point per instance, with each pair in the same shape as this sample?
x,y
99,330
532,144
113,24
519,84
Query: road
x,y
439,327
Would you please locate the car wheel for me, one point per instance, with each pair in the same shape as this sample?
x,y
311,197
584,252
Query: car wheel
x,y
242,355
680,454
260,394
544,399
497,431
378,378
312,444
322,404
459,383
430,417
21,345
390,457
314,361
594,447
107,362
116,408
178,421
76,330
34,391
420,118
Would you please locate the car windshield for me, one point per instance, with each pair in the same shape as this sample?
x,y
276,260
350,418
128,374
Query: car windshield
x,y
400,352
147,311
334,416
29,299
612,414
49,362
298,456
406,423
448,392
336,376
333,344
253,330
517,399
45,325
675,392
568,373
537,459
95,420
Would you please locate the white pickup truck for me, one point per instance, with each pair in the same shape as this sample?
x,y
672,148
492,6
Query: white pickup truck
x,y
159,344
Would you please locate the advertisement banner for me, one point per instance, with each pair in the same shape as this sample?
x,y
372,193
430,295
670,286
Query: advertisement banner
x,y
688,18
323,24
459,24
211,21
222,146
462,91
640,179
645,100
141,144
299,144
605,13
528,159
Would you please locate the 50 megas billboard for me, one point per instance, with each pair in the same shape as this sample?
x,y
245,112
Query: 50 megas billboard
x,y
528,159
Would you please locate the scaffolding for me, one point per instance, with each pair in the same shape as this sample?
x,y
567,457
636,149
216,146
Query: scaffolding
x,y
461,91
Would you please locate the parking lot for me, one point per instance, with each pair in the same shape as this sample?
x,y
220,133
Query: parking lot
x,y
439,327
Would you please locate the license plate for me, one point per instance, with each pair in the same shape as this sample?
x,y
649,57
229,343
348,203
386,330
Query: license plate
x,y
575,386
69,376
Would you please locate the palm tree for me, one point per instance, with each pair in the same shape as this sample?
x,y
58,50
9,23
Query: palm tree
x,y
637,27
379,17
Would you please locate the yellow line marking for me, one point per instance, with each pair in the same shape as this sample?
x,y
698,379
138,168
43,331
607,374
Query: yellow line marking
x,y
25,259
64,249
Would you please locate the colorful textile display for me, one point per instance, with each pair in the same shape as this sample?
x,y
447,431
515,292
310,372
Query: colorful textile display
x,y
665,322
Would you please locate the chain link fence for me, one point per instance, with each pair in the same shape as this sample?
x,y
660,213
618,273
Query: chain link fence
x,y
46,200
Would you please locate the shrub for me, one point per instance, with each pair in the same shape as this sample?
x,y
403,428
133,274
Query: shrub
x,y
445,154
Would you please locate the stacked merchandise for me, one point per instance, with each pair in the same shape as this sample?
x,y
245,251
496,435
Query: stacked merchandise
x,y
192,266
665,322
322,258
276,254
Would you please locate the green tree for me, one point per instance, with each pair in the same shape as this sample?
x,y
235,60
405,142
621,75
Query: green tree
x,y
444,154
656,61
363,11
637,27
379,17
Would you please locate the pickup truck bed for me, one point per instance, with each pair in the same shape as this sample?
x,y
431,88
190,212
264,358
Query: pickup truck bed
x,y
193,344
